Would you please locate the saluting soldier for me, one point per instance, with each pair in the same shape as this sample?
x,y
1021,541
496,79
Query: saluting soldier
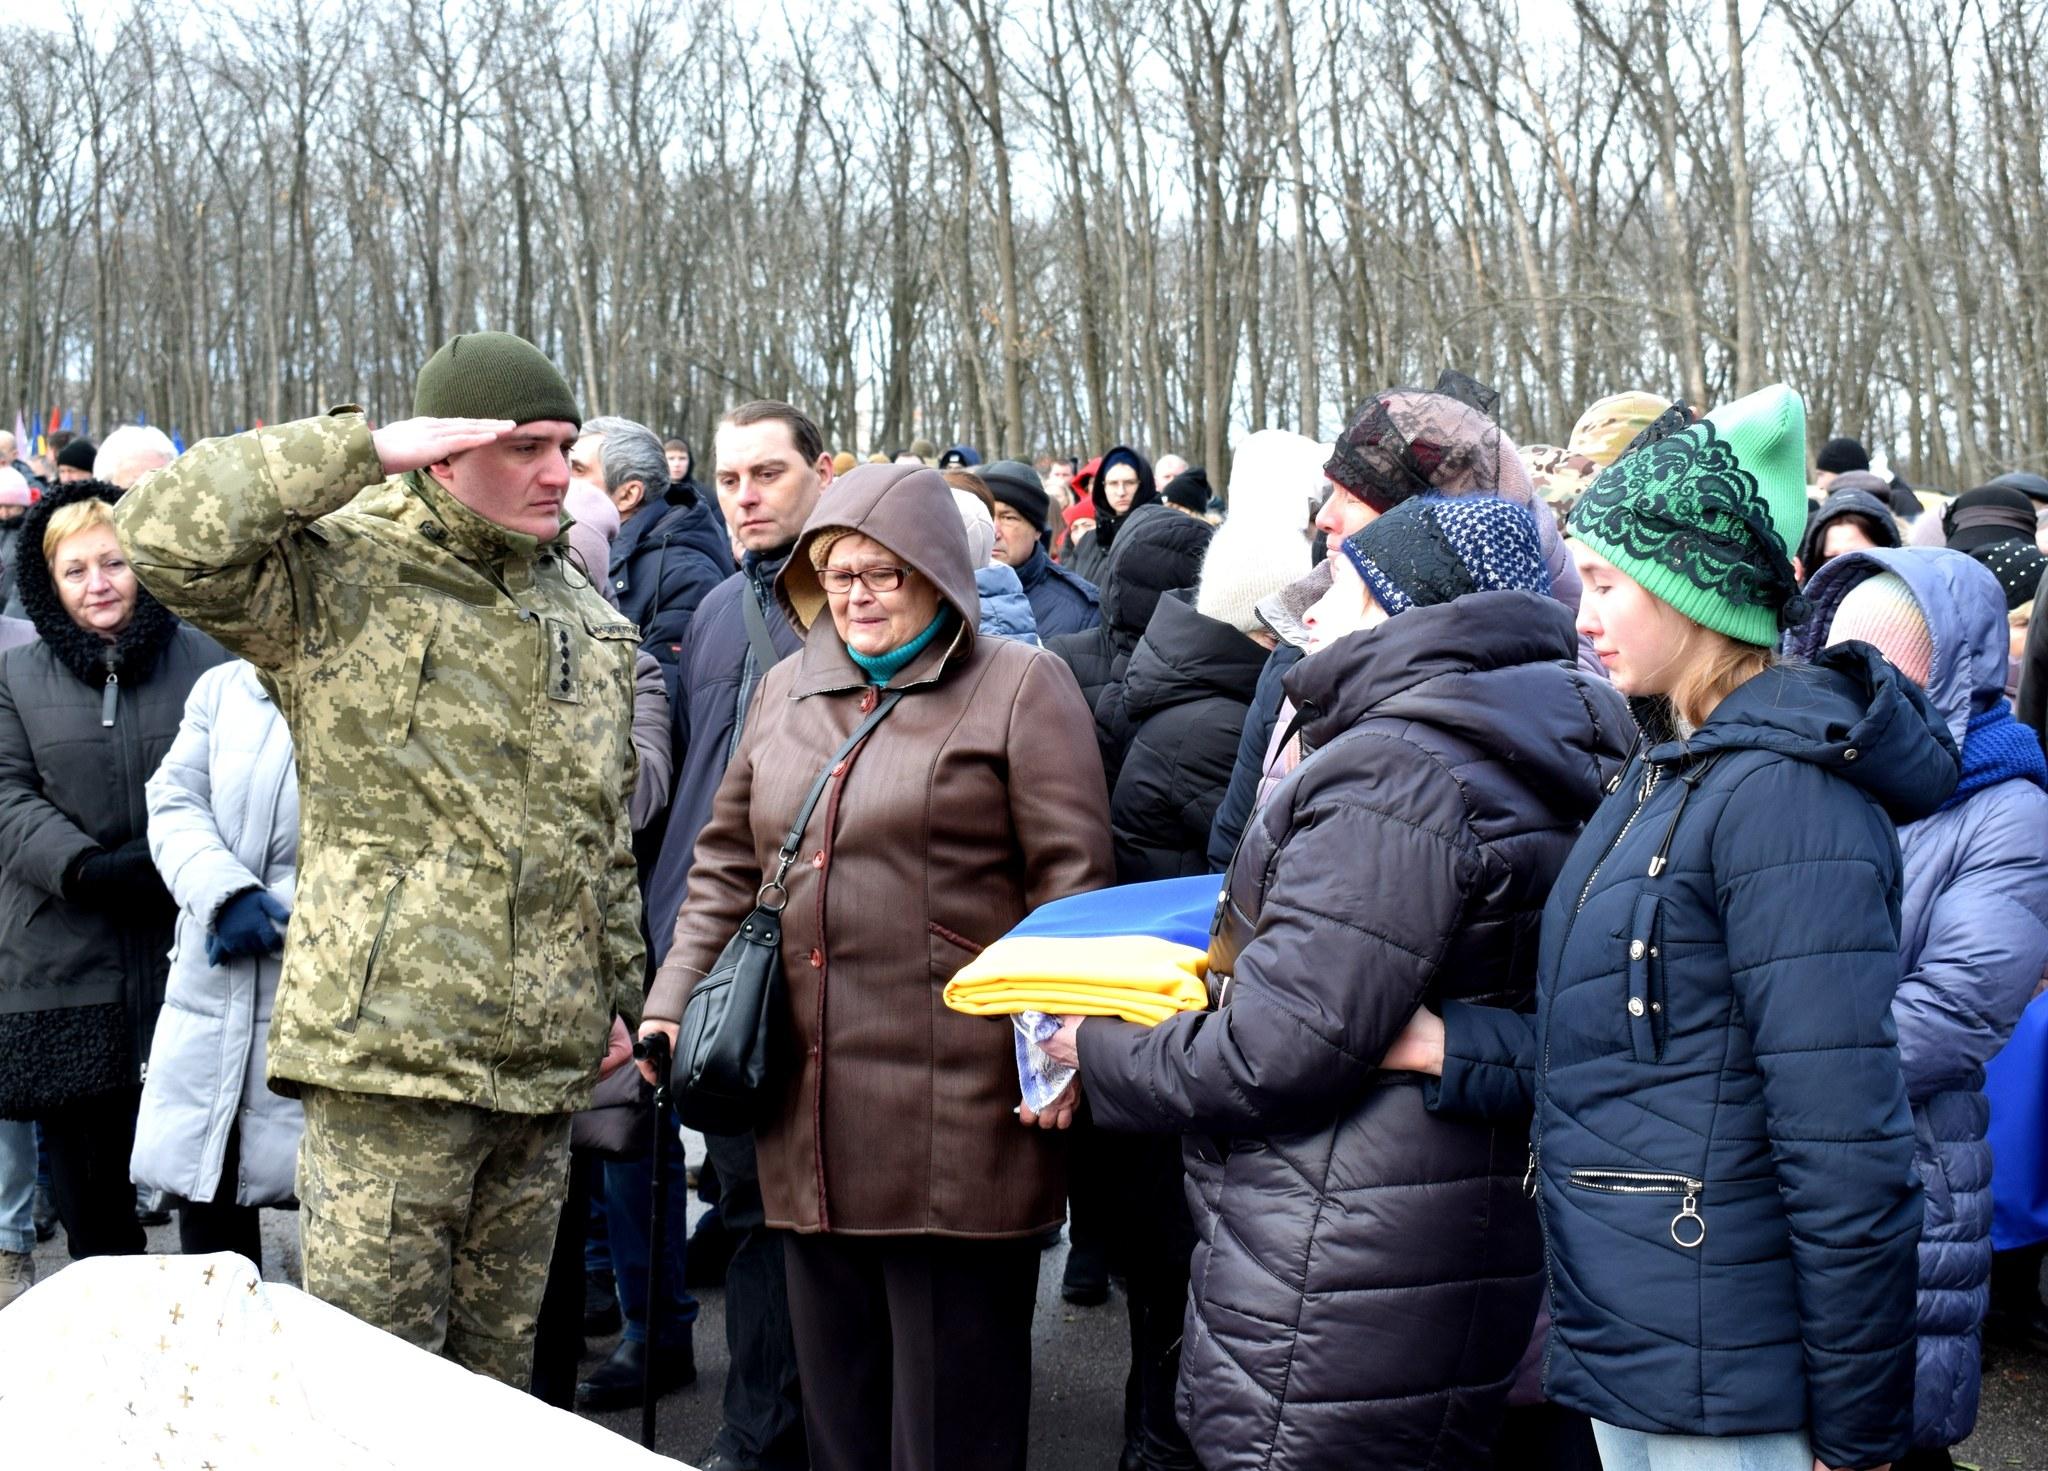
x,y
467,921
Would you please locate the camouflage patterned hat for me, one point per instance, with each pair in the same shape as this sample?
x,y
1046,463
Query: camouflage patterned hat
x,y
1602,433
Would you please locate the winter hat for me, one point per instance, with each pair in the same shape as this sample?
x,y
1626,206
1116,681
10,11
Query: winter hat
x,y
1189,490
1409,441
981,529
593,522
1608,427
1704,515
78,455
1078,511
1434,548
1847,504
14,490
1842,454
924,449
2017,565
493,375
1881,611
842,462
1016,485
960,456
1249,560
2026,482
1990,513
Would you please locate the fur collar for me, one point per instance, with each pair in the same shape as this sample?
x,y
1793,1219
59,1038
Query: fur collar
x,y
134,653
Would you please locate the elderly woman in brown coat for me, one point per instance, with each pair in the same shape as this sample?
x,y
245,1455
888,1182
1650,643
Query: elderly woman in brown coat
x,y
893,1153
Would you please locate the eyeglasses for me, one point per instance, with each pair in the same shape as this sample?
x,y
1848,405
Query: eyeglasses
x,y
876,579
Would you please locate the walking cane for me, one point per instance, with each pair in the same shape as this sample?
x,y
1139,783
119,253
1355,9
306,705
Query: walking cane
x,y
654,1049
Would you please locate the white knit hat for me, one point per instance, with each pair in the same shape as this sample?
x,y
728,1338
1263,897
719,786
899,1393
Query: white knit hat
x,y
1263,546
980,527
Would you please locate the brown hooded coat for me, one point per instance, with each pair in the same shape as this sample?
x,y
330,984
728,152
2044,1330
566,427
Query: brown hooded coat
x,y
961,813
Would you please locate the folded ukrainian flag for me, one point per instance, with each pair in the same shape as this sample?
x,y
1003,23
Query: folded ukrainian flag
x,y
1138,952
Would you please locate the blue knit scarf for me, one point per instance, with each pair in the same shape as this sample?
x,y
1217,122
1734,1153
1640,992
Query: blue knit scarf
x,y
1997,748
881,668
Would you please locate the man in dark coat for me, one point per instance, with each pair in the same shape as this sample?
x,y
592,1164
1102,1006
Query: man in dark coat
x,y
1062,602
670,550
770,468
1122,485
1157,549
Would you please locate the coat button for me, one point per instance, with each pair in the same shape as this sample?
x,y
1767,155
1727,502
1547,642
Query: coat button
x,y
817,960
1635,950
1635,1006
1850,754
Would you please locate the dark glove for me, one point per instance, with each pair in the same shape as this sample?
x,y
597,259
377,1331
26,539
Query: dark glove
x,y
251,923
123,877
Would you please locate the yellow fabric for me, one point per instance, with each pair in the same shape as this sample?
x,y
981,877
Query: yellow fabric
x,y
1136,977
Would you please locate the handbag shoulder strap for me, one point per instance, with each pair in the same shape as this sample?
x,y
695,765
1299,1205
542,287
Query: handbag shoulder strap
x,y
790,844
765,657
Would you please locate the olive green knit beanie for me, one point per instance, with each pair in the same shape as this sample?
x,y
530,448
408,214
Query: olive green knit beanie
x,y
1704,515
493,375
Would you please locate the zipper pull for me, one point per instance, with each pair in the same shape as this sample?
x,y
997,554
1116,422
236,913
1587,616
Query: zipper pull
x,y
1529,1175
108,696
1693,1236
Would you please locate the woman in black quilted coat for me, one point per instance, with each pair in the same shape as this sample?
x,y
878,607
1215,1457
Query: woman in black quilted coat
x,y
1367,1274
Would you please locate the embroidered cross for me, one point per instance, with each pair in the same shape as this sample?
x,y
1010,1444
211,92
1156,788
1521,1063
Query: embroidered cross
x,y
185,1396
177,1314
163,1345
207,1275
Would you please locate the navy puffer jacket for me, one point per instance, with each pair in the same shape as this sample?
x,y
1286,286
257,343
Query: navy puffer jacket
x,y
1366,1274
1722,1150
1973,944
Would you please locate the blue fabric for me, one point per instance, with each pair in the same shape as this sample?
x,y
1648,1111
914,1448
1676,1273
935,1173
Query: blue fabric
x,y
1005,611
1435,548
1062,601
17,1185
251,923
1242,795
1167,909
881,668
1761,1060
1973,943
1998,748
629,1215
666,559
1633,1450
716,679
2016,1084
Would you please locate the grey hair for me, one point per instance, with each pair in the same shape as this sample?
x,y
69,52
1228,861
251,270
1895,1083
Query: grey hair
x,y
632,451
131,452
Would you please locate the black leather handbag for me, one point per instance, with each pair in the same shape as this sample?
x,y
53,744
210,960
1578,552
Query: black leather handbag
x,y
724,1043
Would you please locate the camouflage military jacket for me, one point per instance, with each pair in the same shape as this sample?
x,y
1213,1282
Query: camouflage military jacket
x,y
461,701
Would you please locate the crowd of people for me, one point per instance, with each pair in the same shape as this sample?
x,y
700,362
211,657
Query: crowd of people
x,y
1628,857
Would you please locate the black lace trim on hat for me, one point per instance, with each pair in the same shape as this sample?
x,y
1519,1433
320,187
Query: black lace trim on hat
x,y
1678,497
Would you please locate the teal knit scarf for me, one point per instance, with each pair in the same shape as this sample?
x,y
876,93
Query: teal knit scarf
x,y
881,668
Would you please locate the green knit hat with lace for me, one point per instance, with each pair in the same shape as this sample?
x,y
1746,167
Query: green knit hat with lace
x,y
1704,515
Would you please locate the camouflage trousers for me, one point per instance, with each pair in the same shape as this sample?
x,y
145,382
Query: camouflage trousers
x,y
433,1221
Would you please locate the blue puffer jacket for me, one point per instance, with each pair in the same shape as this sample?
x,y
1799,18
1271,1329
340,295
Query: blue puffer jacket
x,y
1972,946
668,555
1722,1148
1005,611
1062,602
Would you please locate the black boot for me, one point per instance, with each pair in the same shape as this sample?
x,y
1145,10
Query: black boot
x,y
616,1383
1085,1282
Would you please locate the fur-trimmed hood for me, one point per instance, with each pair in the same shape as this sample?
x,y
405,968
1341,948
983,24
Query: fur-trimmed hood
x,y
132,654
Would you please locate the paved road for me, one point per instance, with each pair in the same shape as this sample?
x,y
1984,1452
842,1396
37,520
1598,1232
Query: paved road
x,y
1076,1415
